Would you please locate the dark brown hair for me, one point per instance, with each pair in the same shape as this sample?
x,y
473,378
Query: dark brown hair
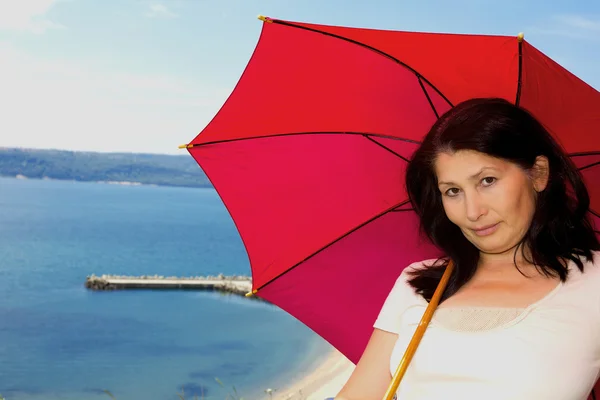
x,y
560,228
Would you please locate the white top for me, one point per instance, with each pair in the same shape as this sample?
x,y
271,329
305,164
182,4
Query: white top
x,y
549,350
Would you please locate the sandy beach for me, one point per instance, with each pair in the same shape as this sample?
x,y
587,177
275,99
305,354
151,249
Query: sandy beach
x,y
326,380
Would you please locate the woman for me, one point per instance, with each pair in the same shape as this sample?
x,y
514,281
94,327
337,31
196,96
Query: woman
x,y
520,317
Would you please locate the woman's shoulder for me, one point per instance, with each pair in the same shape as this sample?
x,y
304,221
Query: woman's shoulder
x,y
422,265
403,286
595,261
590,266
414,269
401,297
590,270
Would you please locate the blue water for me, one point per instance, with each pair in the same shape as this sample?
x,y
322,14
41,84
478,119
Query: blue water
x,y
60,341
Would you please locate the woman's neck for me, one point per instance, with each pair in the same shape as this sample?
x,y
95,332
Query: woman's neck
x,y
519,254
502,263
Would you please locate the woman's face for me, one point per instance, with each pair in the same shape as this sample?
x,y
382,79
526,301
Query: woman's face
x,y
491,200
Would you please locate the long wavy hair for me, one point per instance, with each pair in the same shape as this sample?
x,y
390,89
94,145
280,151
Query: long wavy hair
x,y
560,229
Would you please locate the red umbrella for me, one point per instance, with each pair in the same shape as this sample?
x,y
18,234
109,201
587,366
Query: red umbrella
x,y
309,151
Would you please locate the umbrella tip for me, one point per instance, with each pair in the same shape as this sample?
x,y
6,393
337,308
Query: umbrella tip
x,y
520,36
252,293
186,146
264,19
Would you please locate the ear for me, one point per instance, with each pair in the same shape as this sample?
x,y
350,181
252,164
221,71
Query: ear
x,y
540,173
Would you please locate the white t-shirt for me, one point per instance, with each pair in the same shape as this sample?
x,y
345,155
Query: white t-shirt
x,y
547,351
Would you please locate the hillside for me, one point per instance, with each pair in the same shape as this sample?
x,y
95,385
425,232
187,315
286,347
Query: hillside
x,y
150,169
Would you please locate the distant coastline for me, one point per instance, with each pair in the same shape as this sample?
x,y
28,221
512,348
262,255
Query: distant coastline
x,y
45,178
131,169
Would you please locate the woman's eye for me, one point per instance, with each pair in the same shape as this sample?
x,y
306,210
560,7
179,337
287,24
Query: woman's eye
x,y
452,192
488,181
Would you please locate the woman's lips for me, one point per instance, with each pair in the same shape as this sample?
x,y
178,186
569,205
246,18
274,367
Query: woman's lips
x,y
486,230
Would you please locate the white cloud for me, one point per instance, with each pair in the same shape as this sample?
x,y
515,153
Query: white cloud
x,y
157,10
55,104
579,22
27,15
571,26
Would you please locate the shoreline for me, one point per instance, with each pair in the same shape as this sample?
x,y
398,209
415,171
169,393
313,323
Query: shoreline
x,y
323,379
21,177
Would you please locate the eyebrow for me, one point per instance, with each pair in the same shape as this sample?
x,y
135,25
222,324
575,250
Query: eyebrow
x,y
475,175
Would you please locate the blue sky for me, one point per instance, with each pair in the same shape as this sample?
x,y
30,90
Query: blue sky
x,y
146,76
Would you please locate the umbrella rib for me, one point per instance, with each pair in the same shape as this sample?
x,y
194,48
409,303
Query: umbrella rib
x,y
387,148
192,145
427,96
383,53
332,243
589,165
520,76
584,154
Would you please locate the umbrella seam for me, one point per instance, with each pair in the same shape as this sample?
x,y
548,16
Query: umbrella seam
x,y
258,289
383,53
386,148
193,146
584,153
589,165
437,116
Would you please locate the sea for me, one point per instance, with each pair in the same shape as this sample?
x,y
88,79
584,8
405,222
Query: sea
x,y
59,340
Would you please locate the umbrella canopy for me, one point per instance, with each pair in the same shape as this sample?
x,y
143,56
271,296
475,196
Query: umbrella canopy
x,y
309,152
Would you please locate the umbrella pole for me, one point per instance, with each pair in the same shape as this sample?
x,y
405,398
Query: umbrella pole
x,y
419,332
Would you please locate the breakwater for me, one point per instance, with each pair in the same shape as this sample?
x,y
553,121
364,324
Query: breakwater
x,y
240,285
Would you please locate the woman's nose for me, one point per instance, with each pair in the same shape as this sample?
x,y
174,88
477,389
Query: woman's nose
x,y
474,207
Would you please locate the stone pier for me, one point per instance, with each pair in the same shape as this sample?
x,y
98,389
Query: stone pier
x,y
240,285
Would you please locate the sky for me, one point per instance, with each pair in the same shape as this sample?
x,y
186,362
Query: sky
x,y
146,76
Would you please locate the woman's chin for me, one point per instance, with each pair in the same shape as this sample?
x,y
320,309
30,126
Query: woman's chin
x,y
493,244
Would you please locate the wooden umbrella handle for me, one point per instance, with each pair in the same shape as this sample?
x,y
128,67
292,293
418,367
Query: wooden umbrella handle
x,y
419,332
